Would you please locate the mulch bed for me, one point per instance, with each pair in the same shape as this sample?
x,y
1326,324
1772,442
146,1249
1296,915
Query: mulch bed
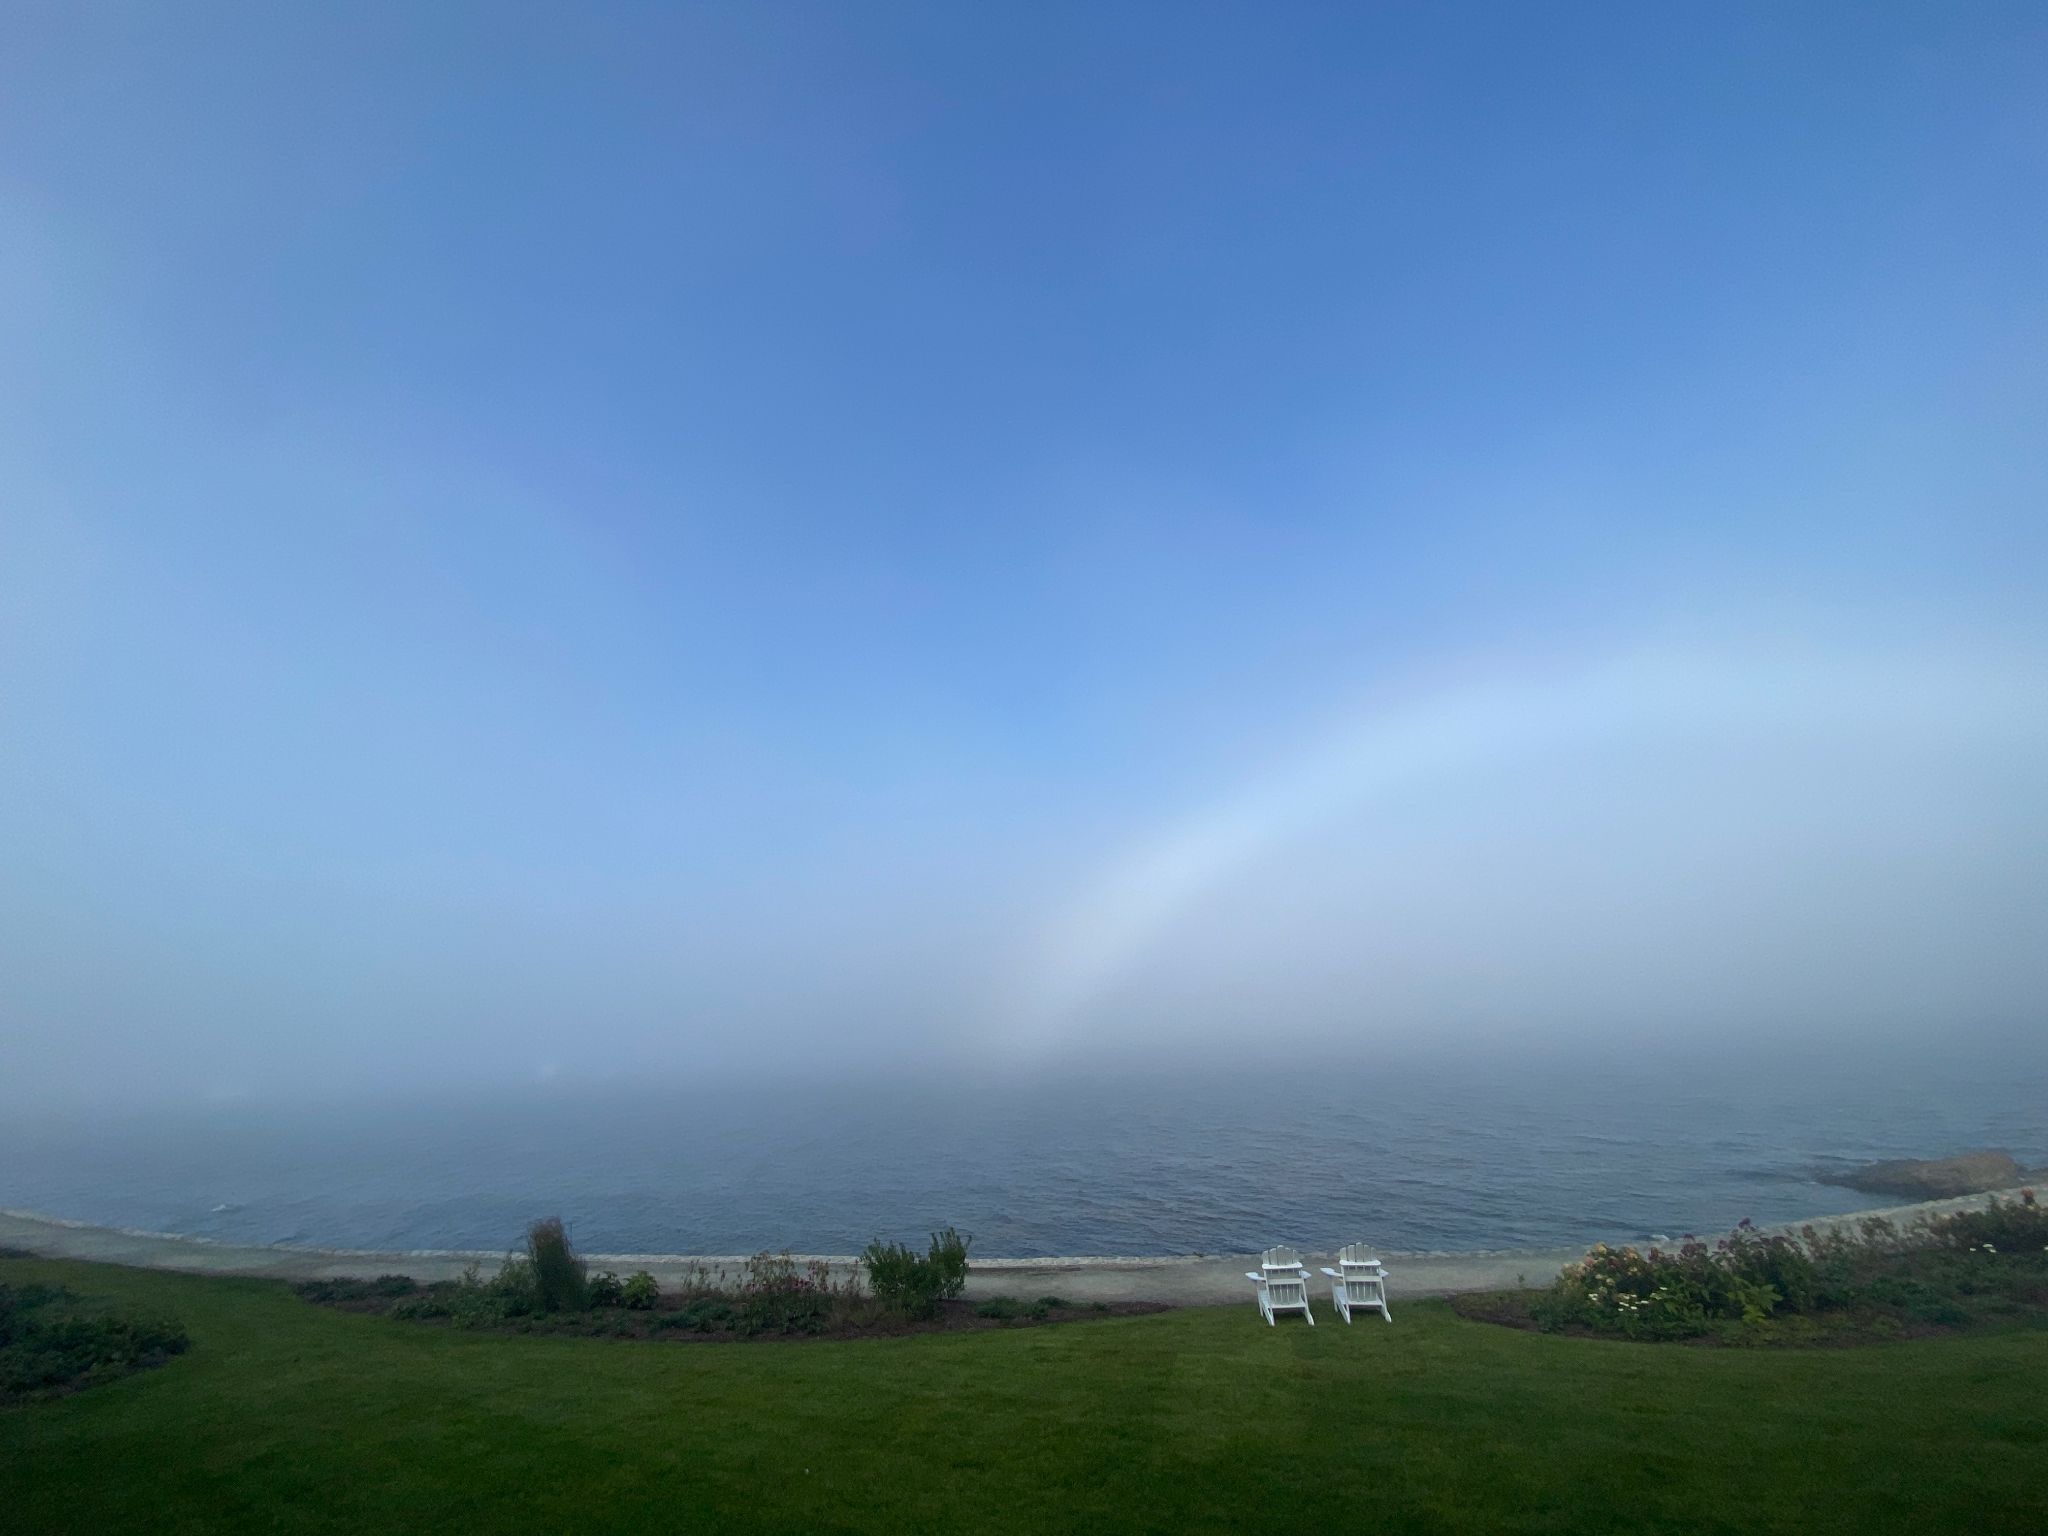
x,y
626,1323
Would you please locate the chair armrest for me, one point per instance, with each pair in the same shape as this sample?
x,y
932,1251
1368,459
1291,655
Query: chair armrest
x,y
1331,1273
1255,1277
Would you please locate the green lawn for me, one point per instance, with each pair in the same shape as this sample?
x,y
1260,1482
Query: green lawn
x,y
286,1416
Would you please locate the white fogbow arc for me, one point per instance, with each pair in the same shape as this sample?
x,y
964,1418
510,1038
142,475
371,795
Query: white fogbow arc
x,y
1118,913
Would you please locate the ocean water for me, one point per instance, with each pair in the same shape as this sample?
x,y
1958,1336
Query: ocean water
x,y
1474,1152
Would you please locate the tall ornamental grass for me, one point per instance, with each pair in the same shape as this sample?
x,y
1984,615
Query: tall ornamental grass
x,y
559,1283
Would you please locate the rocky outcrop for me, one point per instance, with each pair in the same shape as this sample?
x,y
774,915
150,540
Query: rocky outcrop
x,y
1969,1173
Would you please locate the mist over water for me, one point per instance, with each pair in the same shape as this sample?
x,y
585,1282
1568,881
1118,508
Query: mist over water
x,y
761,625
1509,1149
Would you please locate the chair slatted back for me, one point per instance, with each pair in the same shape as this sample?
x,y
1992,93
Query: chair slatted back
x,y
1286,1277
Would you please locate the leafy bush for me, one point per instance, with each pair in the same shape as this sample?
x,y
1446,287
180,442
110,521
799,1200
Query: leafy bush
x,y
515,1291
604,1290
916,1284
948,1256
1944,1273
776,1297
1745,1278
474,1302
640,1293
558,1275
1770,1263
900,1279
51,1339
2003,1226
431,1304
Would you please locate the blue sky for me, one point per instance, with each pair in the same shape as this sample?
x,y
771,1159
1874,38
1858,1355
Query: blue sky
x,y
537,539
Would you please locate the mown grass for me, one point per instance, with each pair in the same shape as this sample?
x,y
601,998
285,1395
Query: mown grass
x,y
286,1416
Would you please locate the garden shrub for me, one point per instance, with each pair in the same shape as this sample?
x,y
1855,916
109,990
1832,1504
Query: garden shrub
x,y
916,1284
515,1290
503,1301
900,1279
603,1290
1744,1278
51,1338
775,1297
558,1275
431,1304
948,1256
1770,1263
2003,1226
640,1293
1947,1272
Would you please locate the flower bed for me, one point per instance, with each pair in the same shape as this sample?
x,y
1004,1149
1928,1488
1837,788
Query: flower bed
x,y
1838,1284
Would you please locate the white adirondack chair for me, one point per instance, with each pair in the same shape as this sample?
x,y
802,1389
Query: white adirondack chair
x,y
1282,1280
1359,1281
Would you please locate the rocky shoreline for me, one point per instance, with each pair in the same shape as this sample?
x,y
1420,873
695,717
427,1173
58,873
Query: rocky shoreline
x,y
1939,1178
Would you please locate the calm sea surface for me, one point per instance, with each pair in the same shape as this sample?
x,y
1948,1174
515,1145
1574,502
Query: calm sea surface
x,y
1477,1153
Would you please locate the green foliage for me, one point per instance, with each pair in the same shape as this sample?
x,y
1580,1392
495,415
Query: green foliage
x,y
900,1279
432,1304
2004,1226
51,1339
1947,1272
777,1297
1001,1308
515,1291
917,1284
705,1314
505,1300
558,1275
340,1291
948,1256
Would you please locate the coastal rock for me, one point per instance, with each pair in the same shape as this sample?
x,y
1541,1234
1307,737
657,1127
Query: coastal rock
x,y
1969,1173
